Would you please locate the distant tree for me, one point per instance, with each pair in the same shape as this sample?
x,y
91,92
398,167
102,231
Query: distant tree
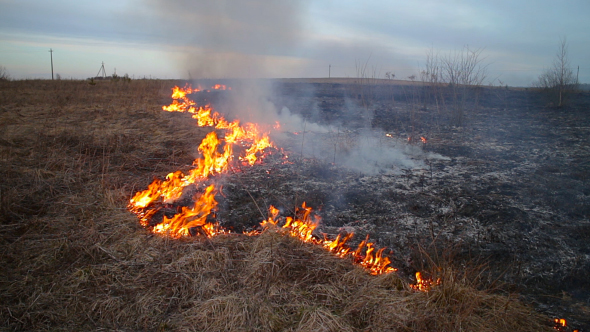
x,y
559,81
4,76
463,71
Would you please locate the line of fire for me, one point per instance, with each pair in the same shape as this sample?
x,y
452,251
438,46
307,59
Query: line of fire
x,y
228,146
244,144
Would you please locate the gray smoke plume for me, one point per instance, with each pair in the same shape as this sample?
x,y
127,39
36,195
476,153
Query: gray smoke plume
x,y
225,38
249,39
365,150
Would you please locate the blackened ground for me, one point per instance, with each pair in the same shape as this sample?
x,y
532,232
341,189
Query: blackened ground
x,y
513,192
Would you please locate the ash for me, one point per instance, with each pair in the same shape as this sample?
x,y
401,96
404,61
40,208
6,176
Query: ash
x,y
508,188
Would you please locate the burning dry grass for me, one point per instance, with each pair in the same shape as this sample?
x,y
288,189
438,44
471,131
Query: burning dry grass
x,y
74,258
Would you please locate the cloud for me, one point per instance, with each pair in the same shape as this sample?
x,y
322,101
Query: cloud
x,y
298,38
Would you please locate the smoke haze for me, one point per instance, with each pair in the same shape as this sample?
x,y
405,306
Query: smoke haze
x,y
248,39
235,38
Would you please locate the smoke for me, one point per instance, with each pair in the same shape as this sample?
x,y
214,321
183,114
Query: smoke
x,y
257,38
356,146
373,154
366,150
234,38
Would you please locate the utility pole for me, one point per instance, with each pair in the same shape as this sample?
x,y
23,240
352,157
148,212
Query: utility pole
x,y
329,71
51,55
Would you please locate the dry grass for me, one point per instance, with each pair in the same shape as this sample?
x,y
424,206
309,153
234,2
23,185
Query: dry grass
x,y
74,259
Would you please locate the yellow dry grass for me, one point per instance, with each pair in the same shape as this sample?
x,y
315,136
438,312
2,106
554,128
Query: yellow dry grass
x,y
74,259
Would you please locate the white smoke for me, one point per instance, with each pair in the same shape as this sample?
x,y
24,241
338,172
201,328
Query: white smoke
x,y
229,39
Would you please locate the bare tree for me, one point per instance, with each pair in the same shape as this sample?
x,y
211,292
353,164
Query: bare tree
x,y
463,73
559,81
431,82
464,67
366,81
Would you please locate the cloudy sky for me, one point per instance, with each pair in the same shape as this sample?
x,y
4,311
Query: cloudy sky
x,y
287,38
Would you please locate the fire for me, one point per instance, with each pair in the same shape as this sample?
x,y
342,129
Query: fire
x,y
561,325
220,87
181,224
217,154
424,284
412,139
302,226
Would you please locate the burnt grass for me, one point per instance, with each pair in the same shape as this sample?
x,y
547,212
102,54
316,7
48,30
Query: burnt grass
x,y
513,196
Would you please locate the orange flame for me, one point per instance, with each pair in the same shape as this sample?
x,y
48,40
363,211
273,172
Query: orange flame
x,y
303,225
249,133
216,157
212,161
561,325
561,322
424,284
180,224
220,87
423,139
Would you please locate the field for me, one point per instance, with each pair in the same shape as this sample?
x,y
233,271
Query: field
x,y
496,207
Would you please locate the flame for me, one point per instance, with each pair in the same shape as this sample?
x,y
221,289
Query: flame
x,y
249,133
212,160
338,245
217,155
302,226
424,284
561,325
220,87
411,139
180,94
181,223
144,198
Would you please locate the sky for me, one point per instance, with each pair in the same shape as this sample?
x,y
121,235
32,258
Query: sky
x,y
518,39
